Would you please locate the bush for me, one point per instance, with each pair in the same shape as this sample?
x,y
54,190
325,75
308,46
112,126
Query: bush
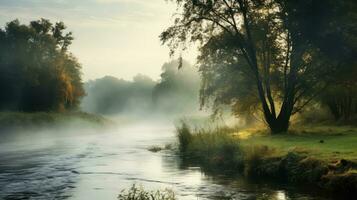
x,y
139,193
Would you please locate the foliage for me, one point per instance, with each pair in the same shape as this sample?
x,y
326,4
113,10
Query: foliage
x,y
341,100
257,55
138,193
37,73
332,28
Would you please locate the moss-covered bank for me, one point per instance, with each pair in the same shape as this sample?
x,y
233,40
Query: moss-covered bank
x,y
289,160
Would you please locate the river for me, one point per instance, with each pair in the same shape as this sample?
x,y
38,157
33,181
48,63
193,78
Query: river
x,y
97,165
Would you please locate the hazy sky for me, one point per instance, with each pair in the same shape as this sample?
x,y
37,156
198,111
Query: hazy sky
x,y
112,37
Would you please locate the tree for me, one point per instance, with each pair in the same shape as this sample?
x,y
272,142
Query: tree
x,y
332,28
262,44
177,90
37,73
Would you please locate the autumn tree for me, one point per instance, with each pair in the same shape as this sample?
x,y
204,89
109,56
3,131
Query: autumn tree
x,y
37,72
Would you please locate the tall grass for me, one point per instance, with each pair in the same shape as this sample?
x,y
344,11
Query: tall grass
x,y
184,136
219,149
139,193
215,148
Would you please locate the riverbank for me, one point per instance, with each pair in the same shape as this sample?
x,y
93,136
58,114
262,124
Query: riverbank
x,y
321,157
20,120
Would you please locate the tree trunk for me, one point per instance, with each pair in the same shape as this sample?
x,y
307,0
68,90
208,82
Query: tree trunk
x,y
279,125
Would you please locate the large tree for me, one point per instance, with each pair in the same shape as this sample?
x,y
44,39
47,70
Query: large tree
x,y
252,52
37,72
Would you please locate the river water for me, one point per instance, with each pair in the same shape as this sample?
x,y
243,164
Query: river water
x,y
97,165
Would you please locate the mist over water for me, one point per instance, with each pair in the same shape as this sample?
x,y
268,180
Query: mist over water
x,y
80,163
75,160
176,93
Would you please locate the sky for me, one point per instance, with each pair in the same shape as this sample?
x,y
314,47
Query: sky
x,y
112,37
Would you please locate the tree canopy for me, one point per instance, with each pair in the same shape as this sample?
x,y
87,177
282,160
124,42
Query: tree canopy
x,y
37,72
259,54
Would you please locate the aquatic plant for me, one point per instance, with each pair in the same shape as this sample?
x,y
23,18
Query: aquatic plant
x,y
139,193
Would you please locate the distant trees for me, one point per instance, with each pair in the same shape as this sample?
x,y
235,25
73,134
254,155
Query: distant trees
x,y
262,55
178,89
110,95
37,73
175,92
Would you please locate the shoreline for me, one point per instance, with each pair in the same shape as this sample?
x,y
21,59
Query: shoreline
x,y
220,151
294,169
18,121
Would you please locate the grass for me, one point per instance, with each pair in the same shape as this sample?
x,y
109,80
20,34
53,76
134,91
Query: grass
x,y
329,143
318,156
139,193
211,147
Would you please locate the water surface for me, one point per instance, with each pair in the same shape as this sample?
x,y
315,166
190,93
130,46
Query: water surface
x,y
97,165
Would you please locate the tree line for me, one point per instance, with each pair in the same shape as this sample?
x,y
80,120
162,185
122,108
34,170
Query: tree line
x,y
176,92
273,57
37,72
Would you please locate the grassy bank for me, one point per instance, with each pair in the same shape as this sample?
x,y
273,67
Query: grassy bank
x,y
319,156
21,120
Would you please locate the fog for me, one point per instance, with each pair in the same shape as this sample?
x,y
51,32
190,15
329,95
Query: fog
x,y
175,93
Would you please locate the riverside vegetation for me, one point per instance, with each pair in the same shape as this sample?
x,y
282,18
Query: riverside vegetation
x,y
323,157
